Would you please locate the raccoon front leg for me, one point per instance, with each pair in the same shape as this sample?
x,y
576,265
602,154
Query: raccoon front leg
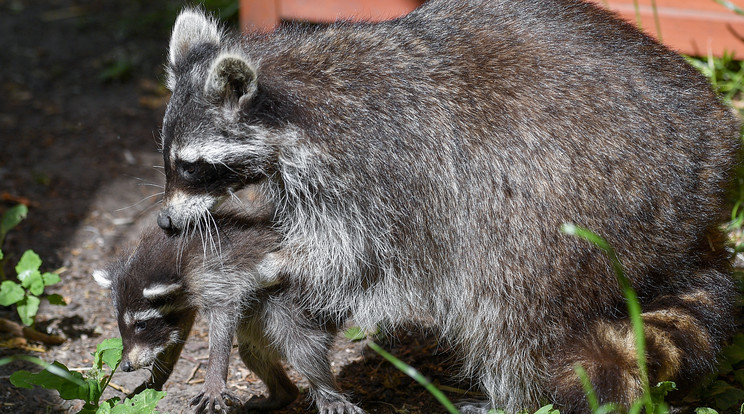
x,y
163,366
214,397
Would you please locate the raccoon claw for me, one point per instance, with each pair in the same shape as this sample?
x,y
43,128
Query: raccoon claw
x,y
211,403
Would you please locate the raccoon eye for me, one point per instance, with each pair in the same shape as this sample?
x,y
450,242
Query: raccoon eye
x,y
140,326
187,170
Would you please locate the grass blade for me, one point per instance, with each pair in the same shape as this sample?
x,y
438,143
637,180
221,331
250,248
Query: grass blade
x,y
731,6
634,307
413,373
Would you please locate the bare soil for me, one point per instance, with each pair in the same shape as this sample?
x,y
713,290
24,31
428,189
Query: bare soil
x,y
81,102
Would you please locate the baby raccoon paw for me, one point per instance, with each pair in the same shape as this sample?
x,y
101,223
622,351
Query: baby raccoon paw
x,y
339,407
212,402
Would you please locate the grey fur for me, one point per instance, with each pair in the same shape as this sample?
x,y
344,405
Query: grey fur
x,y
420,170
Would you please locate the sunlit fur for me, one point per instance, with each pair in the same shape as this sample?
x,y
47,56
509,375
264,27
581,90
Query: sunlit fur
x,y
420,170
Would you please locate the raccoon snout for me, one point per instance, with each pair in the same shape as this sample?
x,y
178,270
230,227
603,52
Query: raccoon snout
x,y
126,366
164,220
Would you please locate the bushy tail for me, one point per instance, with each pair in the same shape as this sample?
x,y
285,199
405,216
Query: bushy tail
x,y
684,332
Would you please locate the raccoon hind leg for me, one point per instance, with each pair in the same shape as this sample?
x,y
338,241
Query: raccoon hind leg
x,y
282,391
683,333
259,357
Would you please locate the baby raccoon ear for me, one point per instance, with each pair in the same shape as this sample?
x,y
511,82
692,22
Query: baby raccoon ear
x,y
103,278
231,81
161,290
192,26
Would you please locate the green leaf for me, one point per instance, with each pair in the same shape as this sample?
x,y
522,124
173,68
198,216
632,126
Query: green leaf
x,y
56,299
11,218
109,352
94,409
10,293
732,354
144,402
54,369
705,410
660,391
1,253
35,284
548,409
67,389
105,408
27,309
50,278
29,261
90,393
725,396
28,268
355,334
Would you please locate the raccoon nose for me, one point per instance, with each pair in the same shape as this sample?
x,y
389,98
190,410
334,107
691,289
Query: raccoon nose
x,y
164,220
126,366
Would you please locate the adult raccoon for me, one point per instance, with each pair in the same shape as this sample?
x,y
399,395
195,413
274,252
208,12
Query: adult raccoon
x,y
159,287
421,169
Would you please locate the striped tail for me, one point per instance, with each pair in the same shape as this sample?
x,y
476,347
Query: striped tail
x,y
684,333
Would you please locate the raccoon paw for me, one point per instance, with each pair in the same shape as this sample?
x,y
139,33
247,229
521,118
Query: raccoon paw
x,y
339,407
473,407
208,402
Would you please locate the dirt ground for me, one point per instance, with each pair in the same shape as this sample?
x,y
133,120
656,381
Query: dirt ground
x,y
81,102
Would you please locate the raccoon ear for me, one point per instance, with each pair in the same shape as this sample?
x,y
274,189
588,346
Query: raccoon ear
x,y
231,81
192,26
103,278
161,290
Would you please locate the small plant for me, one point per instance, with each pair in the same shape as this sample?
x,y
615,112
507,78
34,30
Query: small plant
x,y
90,387
726,74
27,293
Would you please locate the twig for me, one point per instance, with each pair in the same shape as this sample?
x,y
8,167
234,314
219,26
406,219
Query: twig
x,y
193,372
460,391
118,387
29,333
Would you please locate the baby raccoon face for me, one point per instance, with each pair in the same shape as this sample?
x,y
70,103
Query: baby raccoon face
x,y
152,325
210,147
152,318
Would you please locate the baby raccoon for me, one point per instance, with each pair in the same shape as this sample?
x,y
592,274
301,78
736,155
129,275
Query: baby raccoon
x,y
420,170
158,289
